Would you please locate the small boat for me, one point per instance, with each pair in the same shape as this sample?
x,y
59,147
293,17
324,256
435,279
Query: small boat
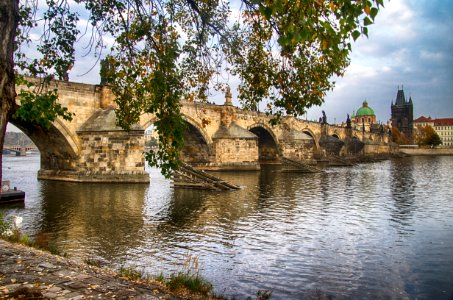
x,y
9,196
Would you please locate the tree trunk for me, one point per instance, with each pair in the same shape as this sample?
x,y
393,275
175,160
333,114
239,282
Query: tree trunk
x,y
9,18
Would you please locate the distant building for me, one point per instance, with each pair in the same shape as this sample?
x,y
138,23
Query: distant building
x,y
423,121
403,114
364,118
443,127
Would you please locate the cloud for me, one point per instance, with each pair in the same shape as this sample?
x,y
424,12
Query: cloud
x,y
432,56
410,44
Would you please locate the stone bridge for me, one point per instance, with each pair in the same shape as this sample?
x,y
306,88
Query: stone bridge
x,y
18,150
91,148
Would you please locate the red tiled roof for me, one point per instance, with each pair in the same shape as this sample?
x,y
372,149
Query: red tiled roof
x,y
423,119
443,122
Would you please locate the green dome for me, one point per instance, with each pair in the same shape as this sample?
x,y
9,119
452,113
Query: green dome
x,y
365,111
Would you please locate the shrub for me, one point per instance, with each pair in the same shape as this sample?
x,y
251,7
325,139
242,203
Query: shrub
x,y
192,282
5,226
131,273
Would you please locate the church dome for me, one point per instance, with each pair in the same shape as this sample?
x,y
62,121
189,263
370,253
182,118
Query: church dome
x,y
365,110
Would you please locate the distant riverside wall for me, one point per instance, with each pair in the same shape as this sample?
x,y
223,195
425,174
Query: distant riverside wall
x,y
427,151
377,149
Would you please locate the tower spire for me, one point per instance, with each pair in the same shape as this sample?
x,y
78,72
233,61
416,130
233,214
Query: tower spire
x,y
400,98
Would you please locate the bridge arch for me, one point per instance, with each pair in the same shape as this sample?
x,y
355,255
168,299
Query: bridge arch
x,y
58,146
268,147
189,120
309,132
197,143
335,135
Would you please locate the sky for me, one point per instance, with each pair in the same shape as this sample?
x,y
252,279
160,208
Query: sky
x,y
410,46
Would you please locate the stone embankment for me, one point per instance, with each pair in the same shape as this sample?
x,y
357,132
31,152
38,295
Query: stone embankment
x,y
27,273
427,151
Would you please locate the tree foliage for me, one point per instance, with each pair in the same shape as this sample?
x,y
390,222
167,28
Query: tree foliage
x,y
399,137
167,51
53,60
427,136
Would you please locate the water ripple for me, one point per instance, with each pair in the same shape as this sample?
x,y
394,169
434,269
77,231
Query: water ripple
x,y
381,230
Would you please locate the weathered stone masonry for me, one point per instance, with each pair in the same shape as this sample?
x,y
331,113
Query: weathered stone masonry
x,y
92,148
108,153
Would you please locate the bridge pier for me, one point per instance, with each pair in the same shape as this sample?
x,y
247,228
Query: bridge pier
x,y
235,148
108,154
297,145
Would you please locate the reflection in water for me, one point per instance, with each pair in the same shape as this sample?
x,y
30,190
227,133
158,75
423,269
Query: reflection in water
x,y
81,215
380,230
403,191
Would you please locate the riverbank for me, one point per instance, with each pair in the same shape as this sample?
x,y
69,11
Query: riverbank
x,y
29,273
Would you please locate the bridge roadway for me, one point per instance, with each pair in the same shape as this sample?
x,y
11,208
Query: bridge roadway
x,y
91,148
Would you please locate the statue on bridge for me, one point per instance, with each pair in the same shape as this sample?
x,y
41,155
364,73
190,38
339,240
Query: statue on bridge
x,y
348,122
228,96
323,119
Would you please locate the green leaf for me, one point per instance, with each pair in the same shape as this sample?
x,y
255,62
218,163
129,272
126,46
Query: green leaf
x,y
303,35
365,31
373,13
283,40
279,5
367,21
355,34
267,12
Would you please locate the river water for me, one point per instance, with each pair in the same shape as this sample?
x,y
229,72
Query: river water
x,y
379,230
